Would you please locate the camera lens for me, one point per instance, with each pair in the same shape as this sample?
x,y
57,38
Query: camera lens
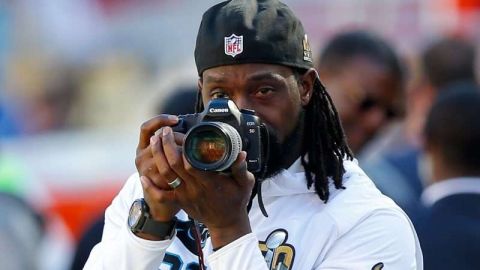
x,y
212,146
208,146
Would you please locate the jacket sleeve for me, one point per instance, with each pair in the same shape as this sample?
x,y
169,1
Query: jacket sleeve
x,y
119,247
383,240
241,254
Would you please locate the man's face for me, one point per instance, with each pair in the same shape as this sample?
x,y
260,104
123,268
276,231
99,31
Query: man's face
x,y
364,94
272,91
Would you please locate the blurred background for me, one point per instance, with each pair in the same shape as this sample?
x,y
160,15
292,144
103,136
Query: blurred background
x,y
78,77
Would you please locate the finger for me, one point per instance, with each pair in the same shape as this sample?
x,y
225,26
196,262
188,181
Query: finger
x,y
172,153
149,128
179,138
166,174
146,166
144,162
174,156
240,173
151,192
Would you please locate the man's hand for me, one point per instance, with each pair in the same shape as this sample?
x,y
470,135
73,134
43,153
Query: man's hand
x,y
154,171
219,200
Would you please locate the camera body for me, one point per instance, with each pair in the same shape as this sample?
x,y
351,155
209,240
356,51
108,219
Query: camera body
x,y
215,137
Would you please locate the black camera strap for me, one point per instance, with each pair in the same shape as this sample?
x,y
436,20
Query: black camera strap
x,y
260,199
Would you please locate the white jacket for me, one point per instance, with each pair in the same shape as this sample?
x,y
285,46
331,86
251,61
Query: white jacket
x,y
359,228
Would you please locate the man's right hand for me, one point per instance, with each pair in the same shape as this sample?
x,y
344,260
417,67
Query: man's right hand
x,y
154,171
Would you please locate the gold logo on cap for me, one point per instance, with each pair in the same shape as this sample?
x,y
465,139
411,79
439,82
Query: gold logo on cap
x,y
307,51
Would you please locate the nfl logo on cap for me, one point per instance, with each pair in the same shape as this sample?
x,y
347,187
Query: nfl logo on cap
x,y
233,45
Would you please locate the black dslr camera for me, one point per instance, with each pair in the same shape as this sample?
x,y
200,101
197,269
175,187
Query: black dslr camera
x,y
216,136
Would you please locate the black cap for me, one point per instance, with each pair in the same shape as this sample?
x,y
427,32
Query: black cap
x,y
249,31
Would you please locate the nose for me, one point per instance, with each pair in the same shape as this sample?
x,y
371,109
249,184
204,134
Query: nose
x,y
242,102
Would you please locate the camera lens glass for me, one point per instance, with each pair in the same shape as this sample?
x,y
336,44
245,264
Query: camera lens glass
x,y
212,146
208,146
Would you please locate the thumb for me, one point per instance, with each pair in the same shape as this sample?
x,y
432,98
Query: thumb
x,y
240,173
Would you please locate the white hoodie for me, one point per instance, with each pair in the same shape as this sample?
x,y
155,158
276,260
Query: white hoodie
x,y
358,228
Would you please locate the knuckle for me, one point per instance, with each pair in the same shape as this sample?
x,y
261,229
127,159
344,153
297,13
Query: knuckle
x,y
138,162
153,171
166,172
142,162
145,127
176,163
163,170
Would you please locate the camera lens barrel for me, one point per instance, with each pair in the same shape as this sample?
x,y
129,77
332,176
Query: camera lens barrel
x,y
212,146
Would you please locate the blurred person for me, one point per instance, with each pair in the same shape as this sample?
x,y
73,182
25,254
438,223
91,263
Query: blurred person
x,y
323,210
29,232
42,92
181,100
89,238
449,230
364,77
21,234
445,61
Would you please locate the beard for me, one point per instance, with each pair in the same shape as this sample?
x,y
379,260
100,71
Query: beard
x,y
281,155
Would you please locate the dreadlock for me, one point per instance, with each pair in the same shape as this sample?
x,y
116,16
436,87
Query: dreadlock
x,y
325,146
199,104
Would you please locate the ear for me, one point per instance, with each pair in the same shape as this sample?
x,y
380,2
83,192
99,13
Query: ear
x,y
200,84
433,164
307,82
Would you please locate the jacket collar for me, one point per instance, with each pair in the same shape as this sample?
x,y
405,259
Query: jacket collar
x,y
292,181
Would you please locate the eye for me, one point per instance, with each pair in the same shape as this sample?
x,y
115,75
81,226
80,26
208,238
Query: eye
x,y
263,92
218,94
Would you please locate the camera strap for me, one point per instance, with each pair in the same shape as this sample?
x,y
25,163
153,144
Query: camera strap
x,y
260,199
194,226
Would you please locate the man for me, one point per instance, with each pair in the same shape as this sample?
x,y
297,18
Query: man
x,y
323,211
445,61
364,77
396,173
449,231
